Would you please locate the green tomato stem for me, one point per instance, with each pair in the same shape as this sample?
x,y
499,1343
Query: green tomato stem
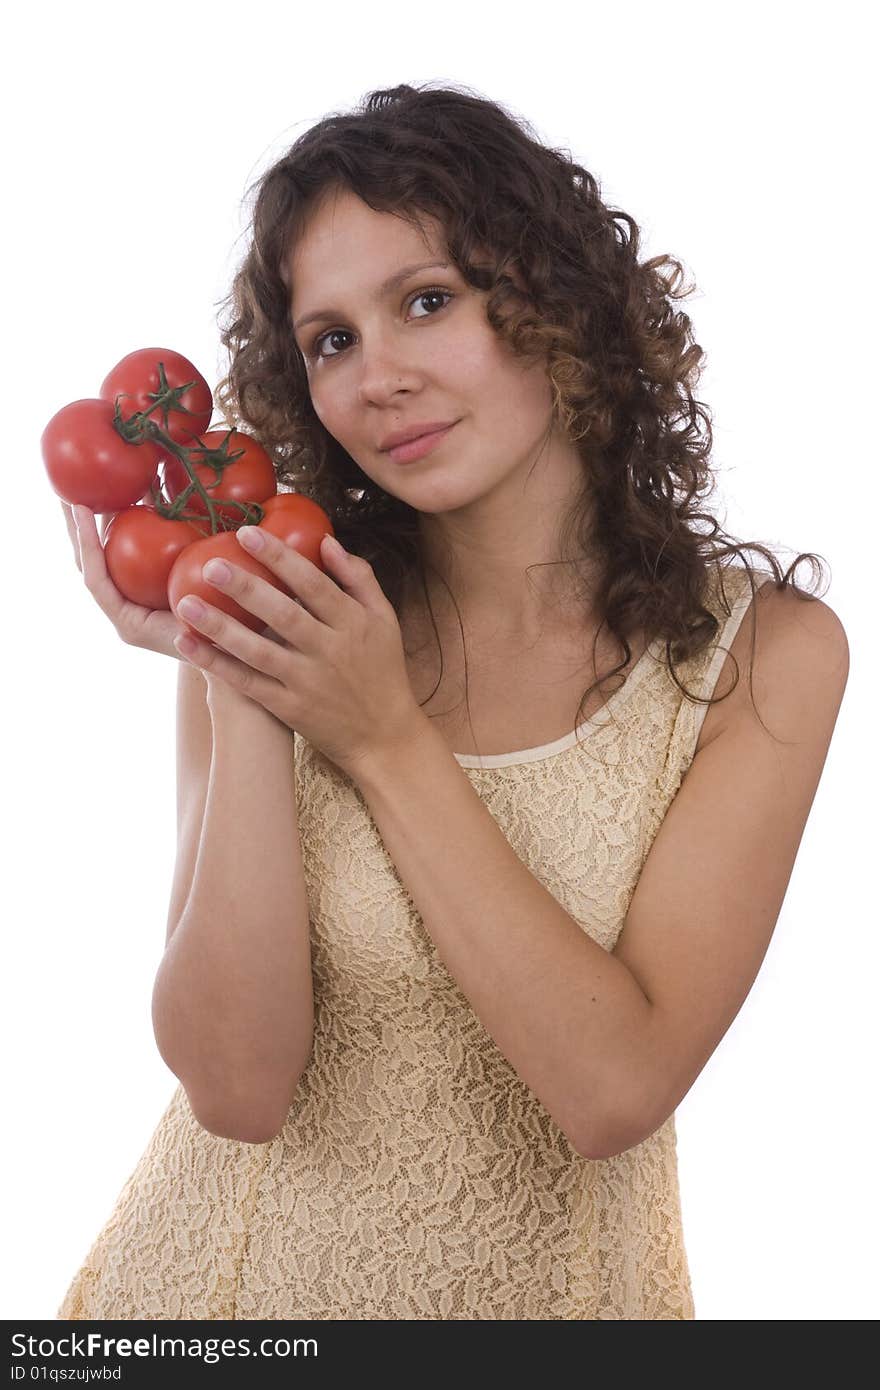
x,y
137,427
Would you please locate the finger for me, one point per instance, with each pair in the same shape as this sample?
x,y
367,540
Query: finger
x,y
355,574
94,567
317,592
238,655
70,522
287,616
210,661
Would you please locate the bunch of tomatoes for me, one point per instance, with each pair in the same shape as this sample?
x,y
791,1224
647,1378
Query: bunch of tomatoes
x,y
172,491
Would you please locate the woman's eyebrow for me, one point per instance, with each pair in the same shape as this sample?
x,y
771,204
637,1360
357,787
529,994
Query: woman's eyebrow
x,y
385,288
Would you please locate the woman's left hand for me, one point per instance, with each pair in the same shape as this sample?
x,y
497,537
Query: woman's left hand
x,y
338,675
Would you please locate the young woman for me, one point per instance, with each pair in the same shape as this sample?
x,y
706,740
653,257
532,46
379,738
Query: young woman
x,y
480,853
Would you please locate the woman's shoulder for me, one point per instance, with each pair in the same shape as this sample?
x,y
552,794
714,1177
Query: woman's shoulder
x,y
780,636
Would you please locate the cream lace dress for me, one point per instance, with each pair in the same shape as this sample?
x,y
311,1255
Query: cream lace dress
x,y
417,1177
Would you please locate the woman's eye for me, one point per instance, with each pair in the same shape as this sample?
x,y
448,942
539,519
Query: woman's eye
x,y
342,332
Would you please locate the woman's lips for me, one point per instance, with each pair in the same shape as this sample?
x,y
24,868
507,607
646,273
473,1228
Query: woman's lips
x,y
406,453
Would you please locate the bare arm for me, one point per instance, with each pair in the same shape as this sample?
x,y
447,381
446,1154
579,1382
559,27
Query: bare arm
x,y
611,1042
195,742
232,1001
233,1008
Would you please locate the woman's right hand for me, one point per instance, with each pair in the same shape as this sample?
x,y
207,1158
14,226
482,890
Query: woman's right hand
x,y
152,628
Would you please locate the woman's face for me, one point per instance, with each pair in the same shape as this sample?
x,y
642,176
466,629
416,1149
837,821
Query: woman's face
x,y
387,360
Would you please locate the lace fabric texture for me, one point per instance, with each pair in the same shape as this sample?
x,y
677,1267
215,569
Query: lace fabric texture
x,y
417,1177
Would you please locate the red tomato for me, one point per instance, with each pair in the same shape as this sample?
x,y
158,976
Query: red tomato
x,y
88,461
140,548
147,501
299,522
250,478
136,378
186,578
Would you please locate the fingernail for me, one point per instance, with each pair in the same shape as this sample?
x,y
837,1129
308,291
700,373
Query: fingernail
x,y
334,545
251,537
218,570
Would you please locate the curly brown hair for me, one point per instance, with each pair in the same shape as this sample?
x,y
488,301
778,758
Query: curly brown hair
x,y
621,359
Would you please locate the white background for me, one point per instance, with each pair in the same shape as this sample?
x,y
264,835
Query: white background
x,y
738,138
